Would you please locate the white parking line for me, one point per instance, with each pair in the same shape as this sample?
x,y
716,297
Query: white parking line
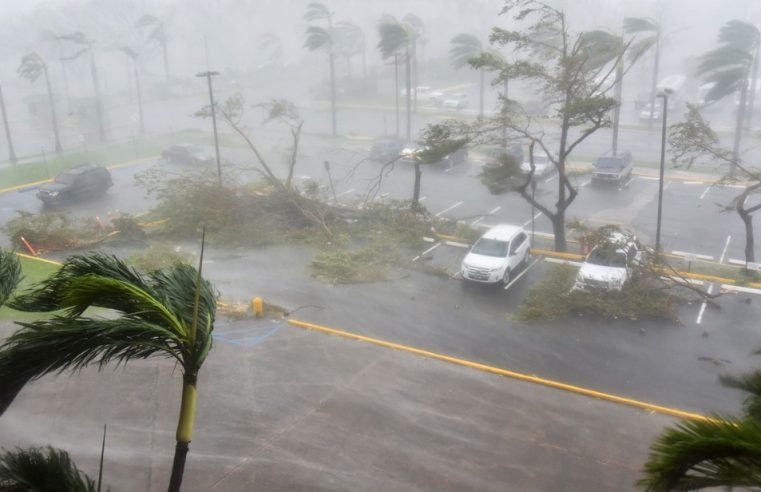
x,y
724,251
703,306
382,196
692,182
702,195
649,178
491,212
699,257
426,252
448,209
667,185
585,183
495,210
525,270
422,199
344,193
529,220
550,178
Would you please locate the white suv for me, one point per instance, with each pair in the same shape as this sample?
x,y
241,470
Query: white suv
x,y
496,255
610,265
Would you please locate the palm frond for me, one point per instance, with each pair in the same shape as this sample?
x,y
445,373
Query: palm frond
x,y
63,343
699,454
393,37
600,48
316,11
740,35
175,288
36,469
317,38
462,48
416,23
751,384
634,25
10,274
74,37
31,67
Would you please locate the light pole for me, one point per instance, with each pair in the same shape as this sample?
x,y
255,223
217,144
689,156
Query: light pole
x,y
665,95
396,90
208,76
11,151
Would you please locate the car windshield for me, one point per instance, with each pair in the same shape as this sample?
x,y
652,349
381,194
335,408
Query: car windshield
x,y
65,178
608,163
608,258
490,247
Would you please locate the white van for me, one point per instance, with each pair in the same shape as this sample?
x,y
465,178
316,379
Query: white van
x,y
496,255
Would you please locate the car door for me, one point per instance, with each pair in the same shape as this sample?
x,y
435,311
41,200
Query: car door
x,y
517,249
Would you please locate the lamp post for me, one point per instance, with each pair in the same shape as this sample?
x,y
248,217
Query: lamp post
x,y
665,95
208,76
396,90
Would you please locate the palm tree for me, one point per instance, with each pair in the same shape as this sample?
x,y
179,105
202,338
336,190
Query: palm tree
x,y
10,275
11,151
417,26
322,38
31,67
167,312
466,48
271,43
133,56
80,39
351,41
156,35
399,38
649,32
42,470
712,452
730,69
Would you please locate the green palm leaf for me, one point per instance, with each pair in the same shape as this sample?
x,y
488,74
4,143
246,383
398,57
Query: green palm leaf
x,y
700,454
751,384
10,274
393,35
42,470
463,48
31,67
317,38
635,25
316,11
600,48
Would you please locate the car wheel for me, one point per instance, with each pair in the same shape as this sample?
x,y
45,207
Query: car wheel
x,y
506,277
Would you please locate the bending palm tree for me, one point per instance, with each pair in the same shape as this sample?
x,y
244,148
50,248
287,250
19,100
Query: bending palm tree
x,y
396,38
321,38
42,470
32,66
729,68
133,56
156,35
416,25
710,453
168,312
351,42
650,37
465,49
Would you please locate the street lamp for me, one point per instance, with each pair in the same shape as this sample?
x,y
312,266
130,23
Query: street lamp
x,y
208,76
665,95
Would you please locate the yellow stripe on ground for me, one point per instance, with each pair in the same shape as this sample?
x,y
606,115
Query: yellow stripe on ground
x,y
674,412
37,258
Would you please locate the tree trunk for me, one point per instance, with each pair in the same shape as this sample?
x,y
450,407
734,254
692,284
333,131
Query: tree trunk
x,y
164,54
332,90
504,121
739,128
752,95
11,151
414,76
364,61
396,89
481,92
558,218
654,85
184,432
747,219
617,95
96,87
139,99
58,147
348,67
416,187
408,63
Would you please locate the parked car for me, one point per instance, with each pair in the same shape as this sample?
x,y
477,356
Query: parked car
x,y
496,255
543,166
496,156
610,265
646,114
78,183
612,169
385,149
456,100
187,154
412,151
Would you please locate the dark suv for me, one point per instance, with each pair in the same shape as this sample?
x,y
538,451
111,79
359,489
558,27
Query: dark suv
x,y
616,169
85,181
386,149
187,154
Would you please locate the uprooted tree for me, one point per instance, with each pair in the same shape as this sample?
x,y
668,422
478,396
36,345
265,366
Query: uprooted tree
x,y
573,73
694,139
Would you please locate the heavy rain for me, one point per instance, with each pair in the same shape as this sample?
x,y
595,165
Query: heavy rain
x,y
383,245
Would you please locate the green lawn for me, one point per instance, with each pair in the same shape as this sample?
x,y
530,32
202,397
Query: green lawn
x,y
33,272
30,170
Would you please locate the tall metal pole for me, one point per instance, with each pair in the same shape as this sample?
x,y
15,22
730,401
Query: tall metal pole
x,y
396,89
663,163
11,151
208,76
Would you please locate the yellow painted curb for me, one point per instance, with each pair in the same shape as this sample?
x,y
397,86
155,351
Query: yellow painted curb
x,y
25,185
556,254
447,237
674,412
709,278
37,258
